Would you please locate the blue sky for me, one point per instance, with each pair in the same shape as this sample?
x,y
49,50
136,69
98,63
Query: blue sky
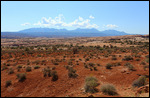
x,y
128,16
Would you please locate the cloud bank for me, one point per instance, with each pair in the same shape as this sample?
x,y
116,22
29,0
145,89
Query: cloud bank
x,y
59,22
111,26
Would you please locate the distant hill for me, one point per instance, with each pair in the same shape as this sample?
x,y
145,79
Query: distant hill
x,y
52,32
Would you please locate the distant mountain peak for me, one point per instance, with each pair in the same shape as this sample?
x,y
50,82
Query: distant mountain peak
x,y
52,32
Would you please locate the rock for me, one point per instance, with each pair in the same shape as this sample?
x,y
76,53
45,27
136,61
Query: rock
x,y
144,89
123,71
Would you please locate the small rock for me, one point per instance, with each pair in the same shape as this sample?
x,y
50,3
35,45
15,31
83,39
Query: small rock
x,y
90,96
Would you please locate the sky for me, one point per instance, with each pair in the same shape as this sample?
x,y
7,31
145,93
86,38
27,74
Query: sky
x,y
129,16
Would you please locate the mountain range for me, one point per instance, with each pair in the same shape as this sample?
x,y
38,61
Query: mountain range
x,y
52,32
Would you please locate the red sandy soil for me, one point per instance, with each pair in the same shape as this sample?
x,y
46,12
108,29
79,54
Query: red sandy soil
x,y
38,86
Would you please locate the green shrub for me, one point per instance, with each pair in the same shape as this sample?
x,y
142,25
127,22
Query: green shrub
x,y
108,89
36,67
139,82
127,58
28,69
21,77
8,83
90,84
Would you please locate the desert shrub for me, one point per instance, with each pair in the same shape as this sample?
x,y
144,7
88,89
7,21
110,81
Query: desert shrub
x,y
10,71
75,50
91,64
127,58
147,60
114,58
130,66
117,64
147,56
36,67
72,73
47,72
19,66
87,59
77,63
95,68
90,84
139,82
26,49
69,62
54,76
108,89
145,66
137,59
21,77
36,62
4,67
143,63
80,59
85,65
38,55
28,69
8,83
53,68
98,65
8,64
108,66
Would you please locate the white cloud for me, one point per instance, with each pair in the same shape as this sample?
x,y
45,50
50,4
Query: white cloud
x,y
25,24
80,18
91,17
59,21
111,26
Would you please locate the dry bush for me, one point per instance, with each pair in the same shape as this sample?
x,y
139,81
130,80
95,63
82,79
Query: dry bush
x,y
108,89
